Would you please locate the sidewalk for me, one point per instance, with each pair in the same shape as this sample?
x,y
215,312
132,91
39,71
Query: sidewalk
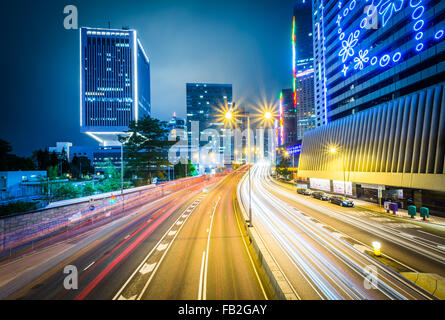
x,y
402,213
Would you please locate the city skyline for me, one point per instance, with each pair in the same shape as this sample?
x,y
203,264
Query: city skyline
x,y
56,56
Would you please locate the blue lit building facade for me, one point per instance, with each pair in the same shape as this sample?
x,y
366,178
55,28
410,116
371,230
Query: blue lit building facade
x,y
370,52
379,70
114,82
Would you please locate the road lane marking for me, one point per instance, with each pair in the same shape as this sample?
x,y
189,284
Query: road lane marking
x,y
250,258
204,294
407,235
147,268
179,223
360,247
162,246
172,233
118,294
430,234
89,265
160,261
126,237
201,274
121,297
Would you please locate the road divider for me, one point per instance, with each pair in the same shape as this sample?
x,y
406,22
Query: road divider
x,y
431,282
278,281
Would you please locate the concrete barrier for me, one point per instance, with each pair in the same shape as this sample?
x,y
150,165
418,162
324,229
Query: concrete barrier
x,y
21,229
277,279
431,282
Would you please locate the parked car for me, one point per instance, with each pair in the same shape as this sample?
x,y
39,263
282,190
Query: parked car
x,y
301,190
304,191
320,195
341,201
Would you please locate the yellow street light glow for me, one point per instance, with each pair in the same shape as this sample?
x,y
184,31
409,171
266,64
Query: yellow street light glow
x,y
268,115
332,150
376,245
228,115
286,154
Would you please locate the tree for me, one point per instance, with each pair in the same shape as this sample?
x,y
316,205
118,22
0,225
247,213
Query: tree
x,y
147,147
88,189
11,162
283,167
81,166
67,191
183,170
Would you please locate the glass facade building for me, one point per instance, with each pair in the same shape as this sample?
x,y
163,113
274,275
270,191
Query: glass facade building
x,y
371,52
203,101
303,84
114,82
305,102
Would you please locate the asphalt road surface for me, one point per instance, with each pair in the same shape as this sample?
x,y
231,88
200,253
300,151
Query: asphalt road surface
x,y
322,247
186,244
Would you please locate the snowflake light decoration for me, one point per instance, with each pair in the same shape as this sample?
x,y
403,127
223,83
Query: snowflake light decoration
x,y
361,59
348,45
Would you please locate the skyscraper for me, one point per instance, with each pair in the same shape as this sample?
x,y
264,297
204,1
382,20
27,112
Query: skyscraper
x,y
203,102
368,53
379,83
288,114
303,85
114,82
305,102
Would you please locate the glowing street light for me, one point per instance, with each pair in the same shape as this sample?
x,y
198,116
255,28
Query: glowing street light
x,y
268,115
376,246
228,115
332,150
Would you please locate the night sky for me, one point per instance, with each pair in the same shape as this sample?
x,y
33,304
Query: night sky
x,y
243,42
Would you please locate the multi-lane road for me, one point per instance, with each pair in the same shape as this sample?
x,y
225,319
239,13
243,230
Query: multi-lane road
x,y
323,249
187,244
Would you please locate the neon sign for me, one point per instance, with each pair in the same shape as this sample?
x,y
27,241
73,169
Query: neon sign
x,y
375,14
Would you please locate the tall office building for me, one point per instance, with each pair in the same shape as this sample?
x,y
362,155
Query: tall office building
x,y
203,102
305,102
382,67
302,49
288,118
370,52
114,82
320,90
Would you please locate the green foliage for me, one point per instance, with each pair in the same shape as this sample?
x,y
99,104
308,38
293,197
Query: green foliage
x,y
88,189
283,167
147,147
183,170
11,162
17,207
53,172
80,167
67,191
109,185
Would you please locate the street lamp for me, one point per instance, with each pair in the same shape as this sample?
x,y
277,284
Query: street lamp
x,y
333,150
229,116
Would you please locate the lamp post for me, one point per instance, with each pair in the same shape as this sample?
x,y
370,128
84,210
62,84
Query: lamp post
x,y
333,150
229,115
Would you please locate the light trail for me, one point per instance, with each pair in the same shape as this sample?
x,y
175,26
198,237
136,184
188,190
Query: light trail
x,y
334,268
